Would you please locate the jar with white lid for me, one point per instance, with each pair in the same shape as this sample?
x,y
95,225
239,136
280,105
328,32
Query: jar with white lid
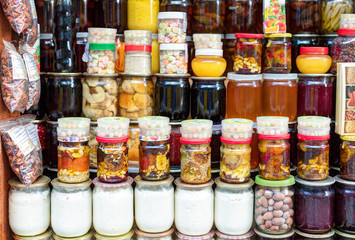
x,y
29,207
234,206
194,208
138,59
87,236
264,236
154,204
109,217
248,236
172,27
71,208
127,236
209,63
173,58
208,236
167,235
44,236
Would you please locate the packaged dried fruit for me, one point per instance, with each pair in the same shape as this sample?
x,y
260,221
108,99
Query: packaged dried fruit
x,y
101,58
172,27
248,52
274,161
19,14
331,13
343,48
277,55
173,58
208,16
347,158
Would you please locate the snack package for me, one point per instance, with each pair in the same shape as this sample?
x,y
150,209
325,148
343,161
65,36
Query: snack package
x,y
18,13
32,132
274,16
14,81
23,157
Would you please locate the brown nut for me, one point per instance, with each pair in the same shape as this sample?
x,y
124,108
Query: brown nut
x,y
287,200
278,197
263,202
268,194
268,216
278,213
271,202
278,205
285,208
260,220
278,221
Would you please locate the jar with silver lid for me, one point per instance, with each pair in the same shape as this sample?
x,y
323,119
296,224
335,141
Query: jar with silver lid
x,y
167,235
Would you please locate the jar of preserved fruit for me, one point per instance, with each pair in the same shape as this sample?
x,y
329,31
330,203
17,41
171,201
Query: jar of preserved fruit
x,y
151,198
127,236
248,51
143,15
167,235
208,236
277,53
315,95
234,200
100,95
263,236
173,58
229,51
343,48
314,205
109,217
302,40
29,207
274,205
63,95
47,50
208,98
44,236
175,144
172,96
343,236
194,204
248,236
279,93
208,16
39,109
347,158
179,6
71,208
115,14
344,202
304,16
208,63
136,98
331,12
314,60
308,236
244,96
81,42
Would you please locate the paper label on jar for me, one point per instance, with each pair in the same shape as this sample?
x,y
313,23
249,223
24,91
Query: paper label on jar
x,y
274,16
31,67
33,134
18,66
21,139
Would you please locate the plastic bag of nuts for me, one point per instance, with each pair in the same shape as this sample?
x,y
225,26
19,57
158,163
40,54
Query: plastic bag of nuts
x,y
18,13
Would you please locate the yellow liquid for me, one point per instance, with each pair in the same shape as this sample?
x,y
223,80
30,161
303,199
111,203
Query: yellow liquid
x,y
208,66
143,15
313,64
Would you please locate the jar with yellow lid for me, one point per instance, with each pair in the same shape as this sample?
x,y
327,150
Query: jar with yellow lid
x,y
314,60
209,63
143,15
277,53
347,158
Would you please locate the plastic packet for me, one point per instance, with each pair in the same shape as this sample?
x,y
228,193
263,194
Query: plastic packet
x,y
14,81
32,131
31,35
23,157
18,13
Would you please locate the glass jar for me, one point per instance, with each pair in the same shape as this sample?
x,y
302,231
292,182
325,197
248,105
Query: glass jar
x,y
100,95
313,157
334,150
179,6
81,11
314,60
154,204
63,95
46,16
208,16
127,236
29,207
167,235
208,99
303,16
302,40
277,53
244,96
120,46
229,51
47,51
235,161
101,58
243,16
44,138
274,163
113,207
280,95
247,236
172,27
255,154
39,109
208,236
343,236
263,236
195,161
102,36
155,54
344,205
194,204
347,158
175,144
315,95
133,143
248,51
115,14
234,207
81,42
136,98
143,15
138,59
343,48
172,96
314,201
208,63
173,58
274,205
331,11
71,208
308,236
44,236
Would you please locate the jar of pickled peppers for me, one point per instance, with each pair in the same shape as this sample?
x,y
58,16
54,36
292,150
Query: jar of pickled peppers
x,y
277,53
347,158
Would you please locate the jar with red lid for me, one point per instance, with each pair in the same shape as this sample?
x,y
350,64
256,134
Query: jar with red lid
x,y
248,53
314,60
343,48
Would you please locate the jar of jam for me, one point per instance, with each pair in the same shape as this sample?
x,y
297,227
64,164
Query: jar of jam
x,y
279,93
47,50
315,95
63,95
209,63
274,203
314,60
303,16
263,236
344,203
208,98
143,15
244,16
343,236
347,158
302,40
331,13
39,109
81,42
343,48
314,205
244,96
229,51
277,53
172,96
175,144
309,236
208,16
115,14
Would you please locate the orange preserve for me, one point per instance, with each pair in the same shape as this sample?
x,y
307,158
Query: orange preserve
x,y
244,96
279,94
314,60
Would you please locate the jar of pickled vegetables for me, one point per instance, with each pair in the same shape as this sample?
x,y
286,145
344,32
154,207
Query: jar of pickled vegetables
x,y
143,15
331,13
277,53
209,63
264,236
208,16
302,40
343,48
314,60
347,158
309,236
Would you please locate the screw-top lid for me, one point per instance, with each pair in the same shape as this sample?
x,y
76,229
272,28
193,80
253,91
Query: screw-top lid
x,y
275,183
239,237
121,237
171,15
327,182
209,52
178,182
315,236
280,76
202,237
125,183
230,36
314,50
248,35
173,46
46,36
138,48
40,182
196,129
313,126
344,32
102,46
244,77
47,234
222,184
207,37
153,235
112,127
272,125
74,123
56,183
237,128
